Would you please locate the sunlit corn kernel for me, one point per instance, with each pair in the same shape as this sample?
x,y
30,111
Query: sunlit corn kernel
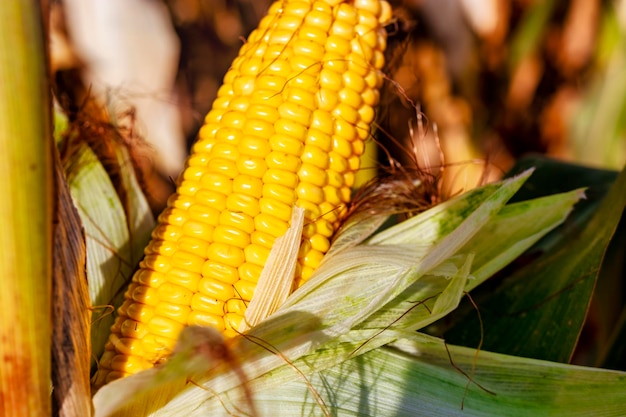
x,y
226,254
228,135
250,272
187,261
311,174
263,112
276,208
289,22
296,8
239,104
233,119
189,188
161,247
224,150
245,289
335,62
231,236
342,147
320,243
290,128
351,98
256,254
166,231
319,19
222,166
174,312
306,273
236,219
204,214
278,61
310,192
311,210
366,114
342,29
337,162
200,302
280,37
236,306
212,287
346,12
146,295
283,161
335,179
129,364
215,115
247,185
330,79
180,201
134,329
175,294
198,230
258,128
310,48
304,63
338,45
344,130
243,203
270,224
250,66
217,271
254,146
124,345
352,80
313,258
206,135
385,13
193,245
313,155
326,99
325,228
346,192
232,323
199,318
193,173
295,112
156,262
156,346
280,193
369,22
378,61
279,176
320,139
266,97
322,121
149,278
358,147
365,44
300,96
211,198
217,182
251,166
140,312
308,231
164,327
329,210
271,83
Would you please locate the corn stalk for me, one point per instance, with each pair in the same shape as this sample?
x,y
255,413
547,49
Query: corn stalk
x,y
25,241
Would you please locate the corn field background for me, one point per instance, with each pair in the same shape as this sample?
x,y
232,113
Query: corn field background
x,y
100,104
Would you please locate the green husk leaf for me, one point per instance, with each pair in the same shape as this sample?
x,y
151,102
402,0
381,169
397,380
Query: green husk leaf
x,y
109,264
421,376
27,208
539,310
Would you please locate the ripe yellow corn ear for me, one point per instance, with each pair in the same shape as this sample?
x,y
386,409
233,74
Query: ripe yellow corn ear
x,y
287,129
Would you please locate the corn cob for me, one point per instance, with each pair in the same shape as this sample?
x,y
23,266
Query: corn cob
x,y
287,128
